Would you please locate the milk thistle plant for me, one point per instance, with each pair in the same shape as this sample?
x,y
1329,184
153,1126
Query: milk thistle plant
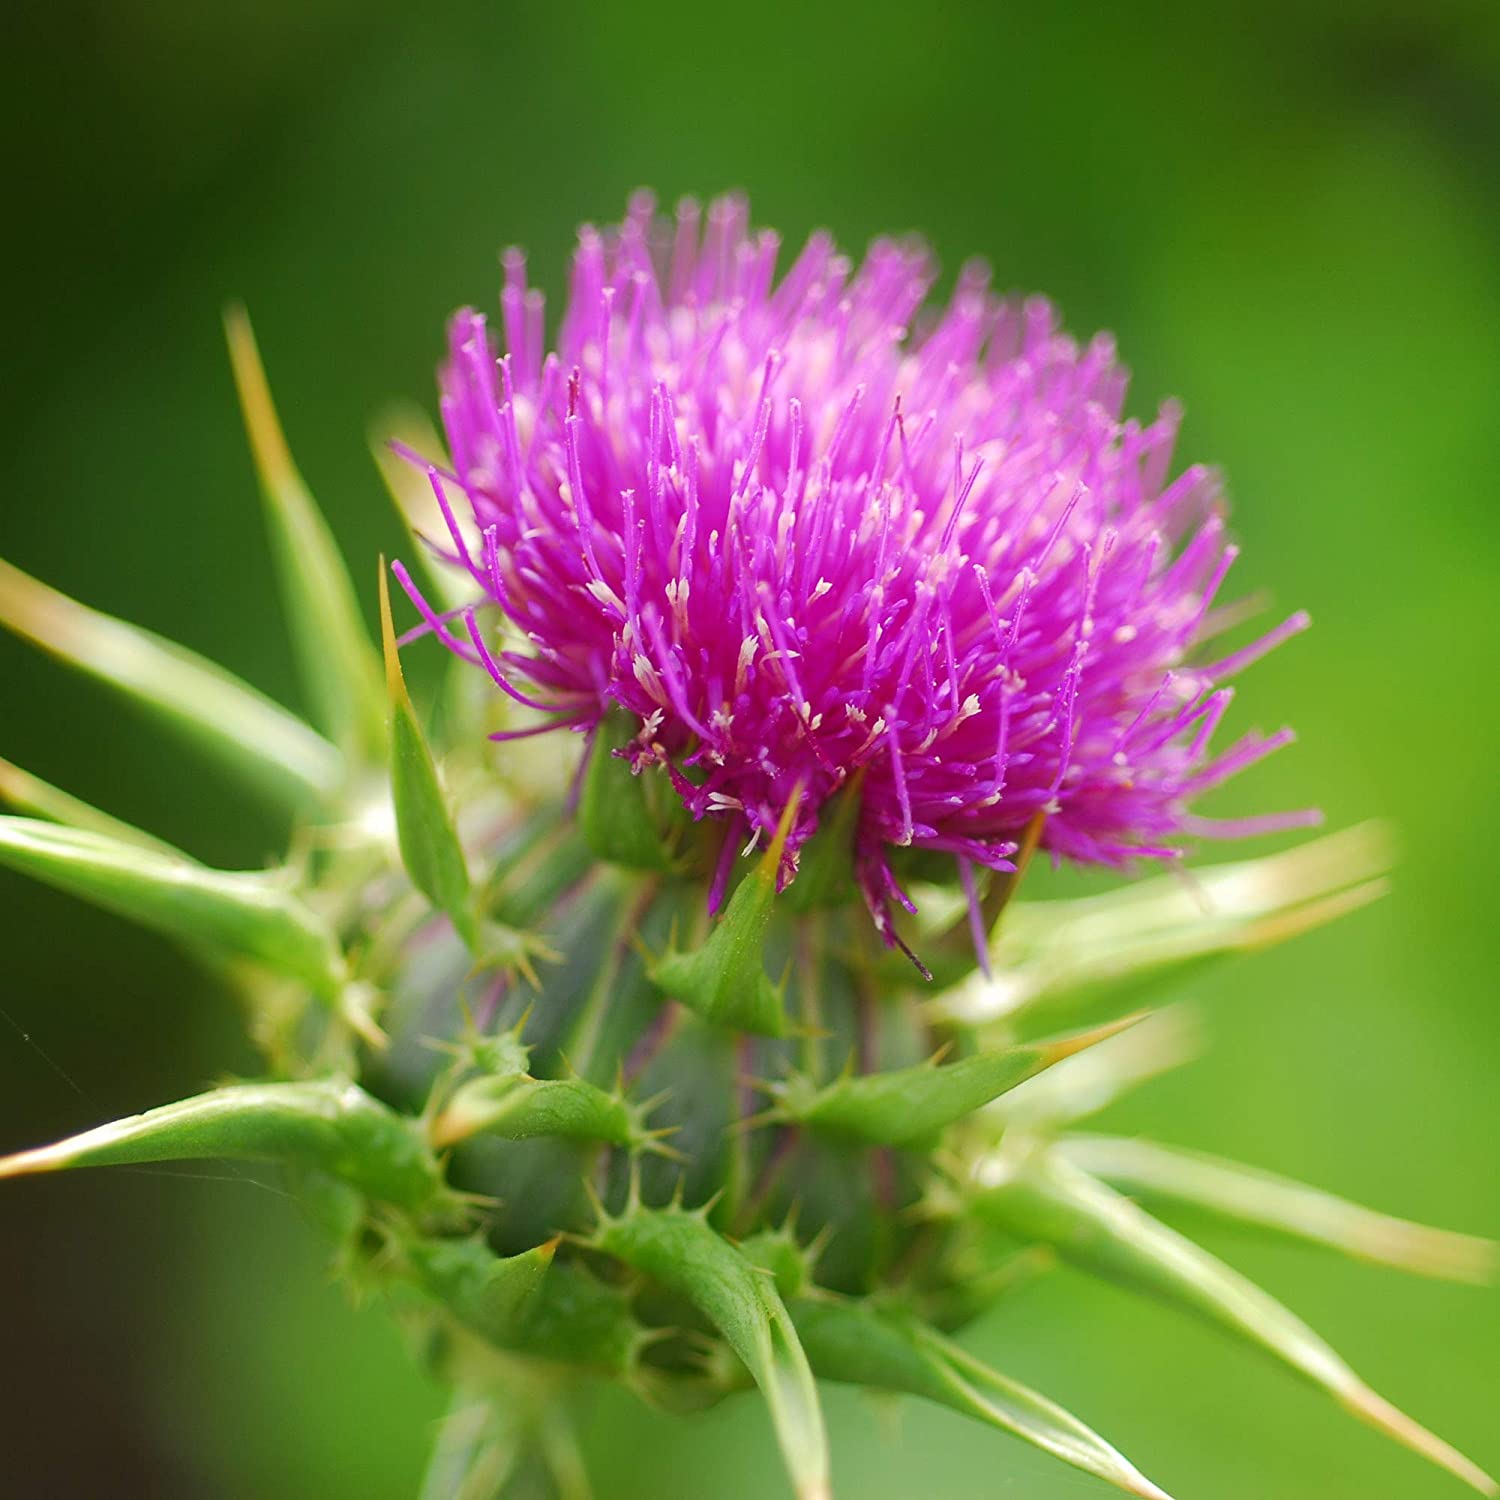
x,y
664,1006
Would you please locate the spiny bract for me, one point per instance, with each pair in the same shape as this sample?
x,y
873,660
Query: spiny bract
x,y
900,599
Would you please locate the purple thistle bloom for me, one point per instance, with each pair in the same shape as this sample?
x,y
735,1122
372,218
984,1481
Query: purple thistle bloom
x,y
803,529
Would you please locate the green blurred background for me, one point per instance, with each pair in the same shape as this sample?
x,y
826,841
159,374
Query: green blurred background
x,y
1289,213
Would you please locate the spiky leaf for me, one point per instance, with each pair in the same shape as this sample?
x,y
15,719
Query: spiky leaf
x,y
242,913
1243,1195
911,1106
331,1125
686,1256
519,1107
40,799
333,647
242,728
1058,964
430,848
725,980
1037,1196
856,1344
489,1294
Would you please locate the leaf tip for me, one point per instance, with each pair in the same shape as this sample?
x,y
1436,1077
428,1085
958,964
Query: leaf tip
x,y
28,1163
1380,1414
1081,1041
395,682
267,441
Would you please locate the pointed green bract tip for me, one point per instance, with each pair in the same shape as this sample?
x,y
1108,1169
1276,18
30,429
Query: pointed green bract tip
x,y
429,842
242,728
334,1126
1362,1402
682,1252
910,1107
857,1344
725,980
1040,1197
1239,1194
489,1294
333,647
1061,963
517,1106
31,795
242,913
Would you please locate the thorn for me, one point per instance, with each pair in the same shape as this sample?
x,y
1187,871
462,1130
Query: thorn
x,y
650,959
354,1008
814,1249
1081,1041
596,1206
658,1147
760,1085
471,1028
766,1117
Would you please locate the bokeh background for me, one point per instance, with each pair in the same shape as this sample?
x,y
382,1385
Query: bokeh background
x,y
1289,213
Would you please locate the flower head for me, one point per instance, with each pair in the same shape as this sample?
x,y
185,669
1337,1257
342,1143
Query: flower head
x,y
801,529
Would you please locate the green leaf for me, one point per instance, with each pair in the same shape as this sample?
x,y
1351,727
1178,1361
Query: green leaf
x,y
333,647
332,1125
911,1106
1036,1196
242,913
853,1343
518,1107
30,794
725,980
1060,964
1243,1195
489,1294
430,849
686,1256
626,818
244,729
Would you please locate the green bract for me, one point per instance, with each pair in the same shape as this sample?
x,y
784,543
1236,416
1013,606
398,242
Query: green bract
x,y
581,1131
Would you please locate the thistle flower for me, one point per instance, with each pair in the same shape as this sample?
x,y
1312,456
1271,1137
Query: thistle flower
x,y
524,1056
802,532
